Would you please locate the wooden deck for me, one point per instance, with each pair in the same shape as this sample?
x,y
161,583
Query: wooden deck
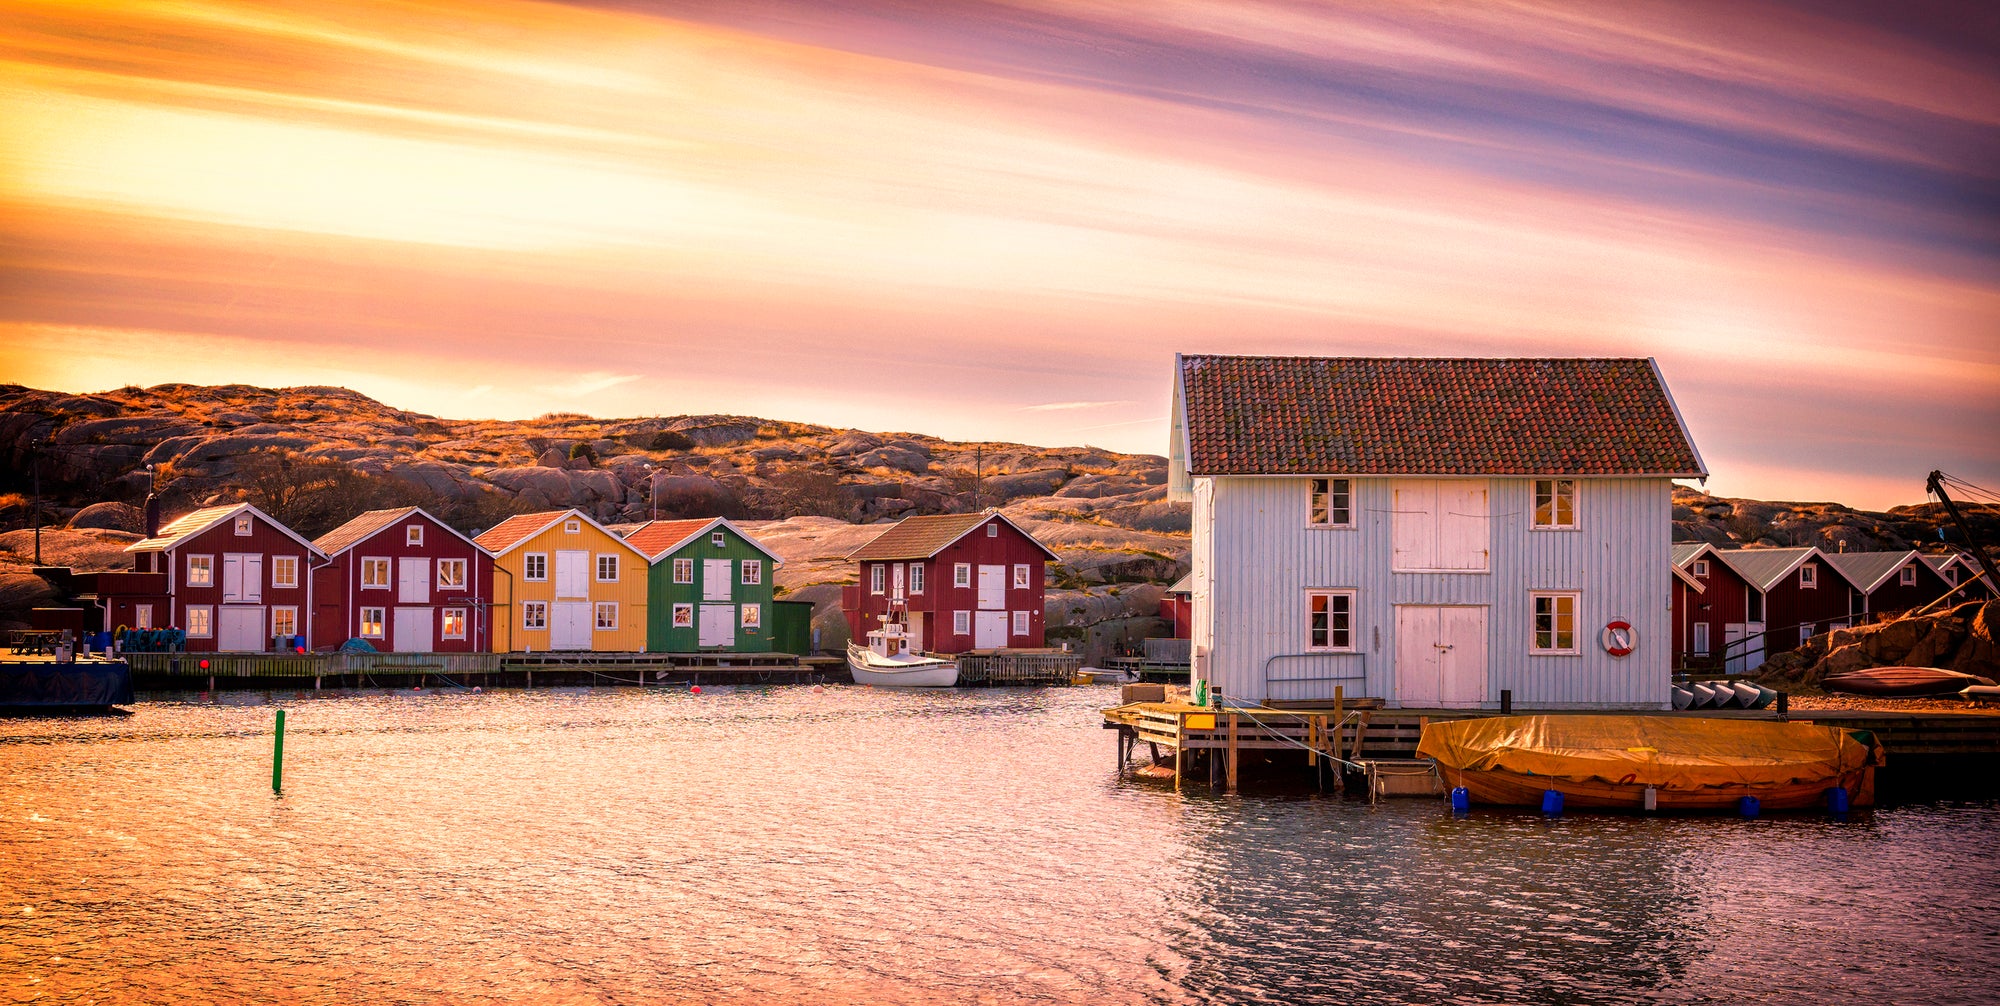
x,y
1351,739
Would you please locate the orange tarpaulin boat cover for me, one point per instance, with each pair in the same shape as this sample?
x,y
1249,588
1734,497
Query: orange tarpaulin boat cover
x,y
1667,752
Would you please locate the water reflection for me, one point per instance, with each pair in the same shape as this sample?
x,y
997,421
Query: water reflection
x,y
787,845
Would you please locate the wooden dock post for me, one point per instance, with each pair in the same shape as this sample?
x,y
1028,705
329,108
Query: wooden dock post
x,y
1231,769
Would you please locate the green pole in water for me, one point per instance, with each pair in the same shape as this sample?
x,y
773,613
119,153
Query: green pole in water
x,y
278,756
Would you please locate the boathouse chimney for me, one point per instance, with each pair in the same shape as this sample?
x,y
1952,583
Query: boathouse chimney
x,y
152,516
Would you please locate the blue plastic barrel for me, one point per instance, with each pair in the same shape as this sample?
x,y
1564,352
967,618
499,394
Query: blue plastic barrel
x,y
1461,801
1749,806
1836,800
1552,803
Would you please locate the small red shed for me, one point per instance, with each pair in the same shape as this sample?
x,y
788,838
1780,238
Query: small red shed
x,y
964,581
236,578
1177,606
1891,583
404,581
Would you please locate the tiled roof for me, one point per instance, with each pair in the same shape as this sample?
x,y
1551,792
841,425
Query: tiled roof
x,y
1292,415
926,536
347,535
201,520
1764,567
518,528
1867,570
656,538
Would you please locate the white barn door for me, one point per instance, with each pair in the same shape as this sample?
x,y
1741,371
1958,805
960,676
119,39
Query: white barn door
x,y
989,628
573,574
243,577
1440,656
993,591
239,628
412,630
413,581
715,580
569,624
1742,646
718,622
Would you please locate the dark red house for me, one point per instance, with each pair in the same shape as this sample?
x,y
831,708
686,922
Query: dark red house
x,y
1712,603
965,581
236,579
1890,582
1177,606
405,582
1961,571
1802,595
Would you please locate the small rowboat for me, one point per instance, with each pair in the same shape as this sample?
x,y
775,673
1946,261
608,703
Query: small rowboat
x,y
1893,682
1689,763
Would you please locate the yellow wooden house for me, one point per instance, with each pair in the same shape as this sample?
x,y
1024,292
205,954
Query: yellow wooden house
x,y
563,582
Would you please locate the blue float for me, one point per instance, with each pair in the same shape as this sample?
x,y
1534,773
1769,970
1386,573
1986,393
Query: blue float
x,y
1552,803
1461,801
1836,800
1749,806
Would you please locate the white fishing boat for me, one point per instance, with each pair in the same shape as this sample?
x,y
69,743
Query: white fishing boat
x,y
888,660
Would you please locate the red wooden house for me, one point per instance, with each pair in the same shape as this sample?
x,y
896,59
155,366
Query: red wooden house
x,y
1177,606
1890,583
405,582
1961,571
1801,595
1712,603
236,579
965,581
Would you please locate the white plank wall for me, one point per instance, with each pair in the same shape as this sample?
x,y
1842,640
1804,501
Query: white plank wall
x,y
1255,557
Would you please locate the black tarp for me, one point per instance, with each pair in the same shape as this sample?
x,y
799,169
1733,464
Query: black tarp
x,y
91,683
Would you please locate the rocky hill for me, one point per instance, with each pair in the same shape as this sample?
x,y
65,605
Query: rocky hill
x,y
314,456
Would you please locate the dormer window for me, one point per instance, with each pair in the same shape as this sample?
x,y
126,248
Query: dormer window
x,y
413,535
1908,577
572,526
719,540
1809,576
1701,567
992,530
243,526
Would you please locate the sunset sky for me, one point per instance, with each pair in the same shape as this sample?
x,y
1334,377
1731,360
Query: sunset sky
x,y
1000,220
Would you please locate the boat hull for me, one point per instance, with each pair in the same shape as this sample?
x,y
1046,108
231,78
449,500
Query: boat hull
x,y
1901,682
1689,764
926,674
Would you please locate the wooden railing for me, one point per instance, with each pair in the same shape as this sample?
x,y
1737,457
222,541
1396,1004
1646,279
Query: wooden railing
x,y
1038,667
309,665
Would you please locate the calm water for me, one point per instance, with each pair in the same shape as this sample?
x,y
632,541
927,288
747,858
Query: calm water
x,y
853,845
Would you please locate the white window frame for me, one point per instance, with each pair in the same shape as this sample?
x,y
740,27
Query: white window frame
x,y
535,615
207,567
683,616
1330,646
413,535
598,620
1321,505
602,558
1575,600
452,615
289,563
1907,576
753,571
753,616
1020,576
375,562
683,570
961,623
1700,569
878,577
961,574
376,615
1555,496
1805,632
142,616
206,613
1021,626
572,526
449,582
719,540
1809,576
291,610
916,578
530,563
244,526
993,530
1698,641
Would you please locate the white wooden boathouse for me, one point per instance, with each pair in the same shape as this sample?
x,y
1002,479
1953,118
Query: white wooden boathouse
x,y
1430,532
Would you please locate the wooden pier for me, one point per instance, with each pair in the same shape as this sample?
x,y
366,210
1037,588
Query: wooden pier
x,y
1927,749
212,671
1016,667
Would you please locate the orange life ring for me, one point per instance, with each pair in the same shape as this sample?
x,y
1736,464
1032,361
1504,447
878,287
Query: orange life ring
x,y
1618,638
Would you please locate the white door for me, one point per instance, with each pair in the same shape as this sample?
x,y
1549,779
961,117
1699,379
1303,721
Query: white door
x,y
239,628
715,581
718,622
413,581
898,594
989,628
569,624
1742,646
572,573
993,589
1440,656
243,577
412,630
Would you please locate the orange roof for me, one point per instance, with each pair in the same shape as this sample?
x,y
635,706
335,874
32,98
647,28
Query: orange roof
x,y
656,538
521,527
925,536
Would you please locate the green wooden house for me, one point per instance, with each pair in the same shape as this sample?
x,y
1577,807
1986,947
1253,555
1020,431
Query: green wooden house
x,y
708,587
